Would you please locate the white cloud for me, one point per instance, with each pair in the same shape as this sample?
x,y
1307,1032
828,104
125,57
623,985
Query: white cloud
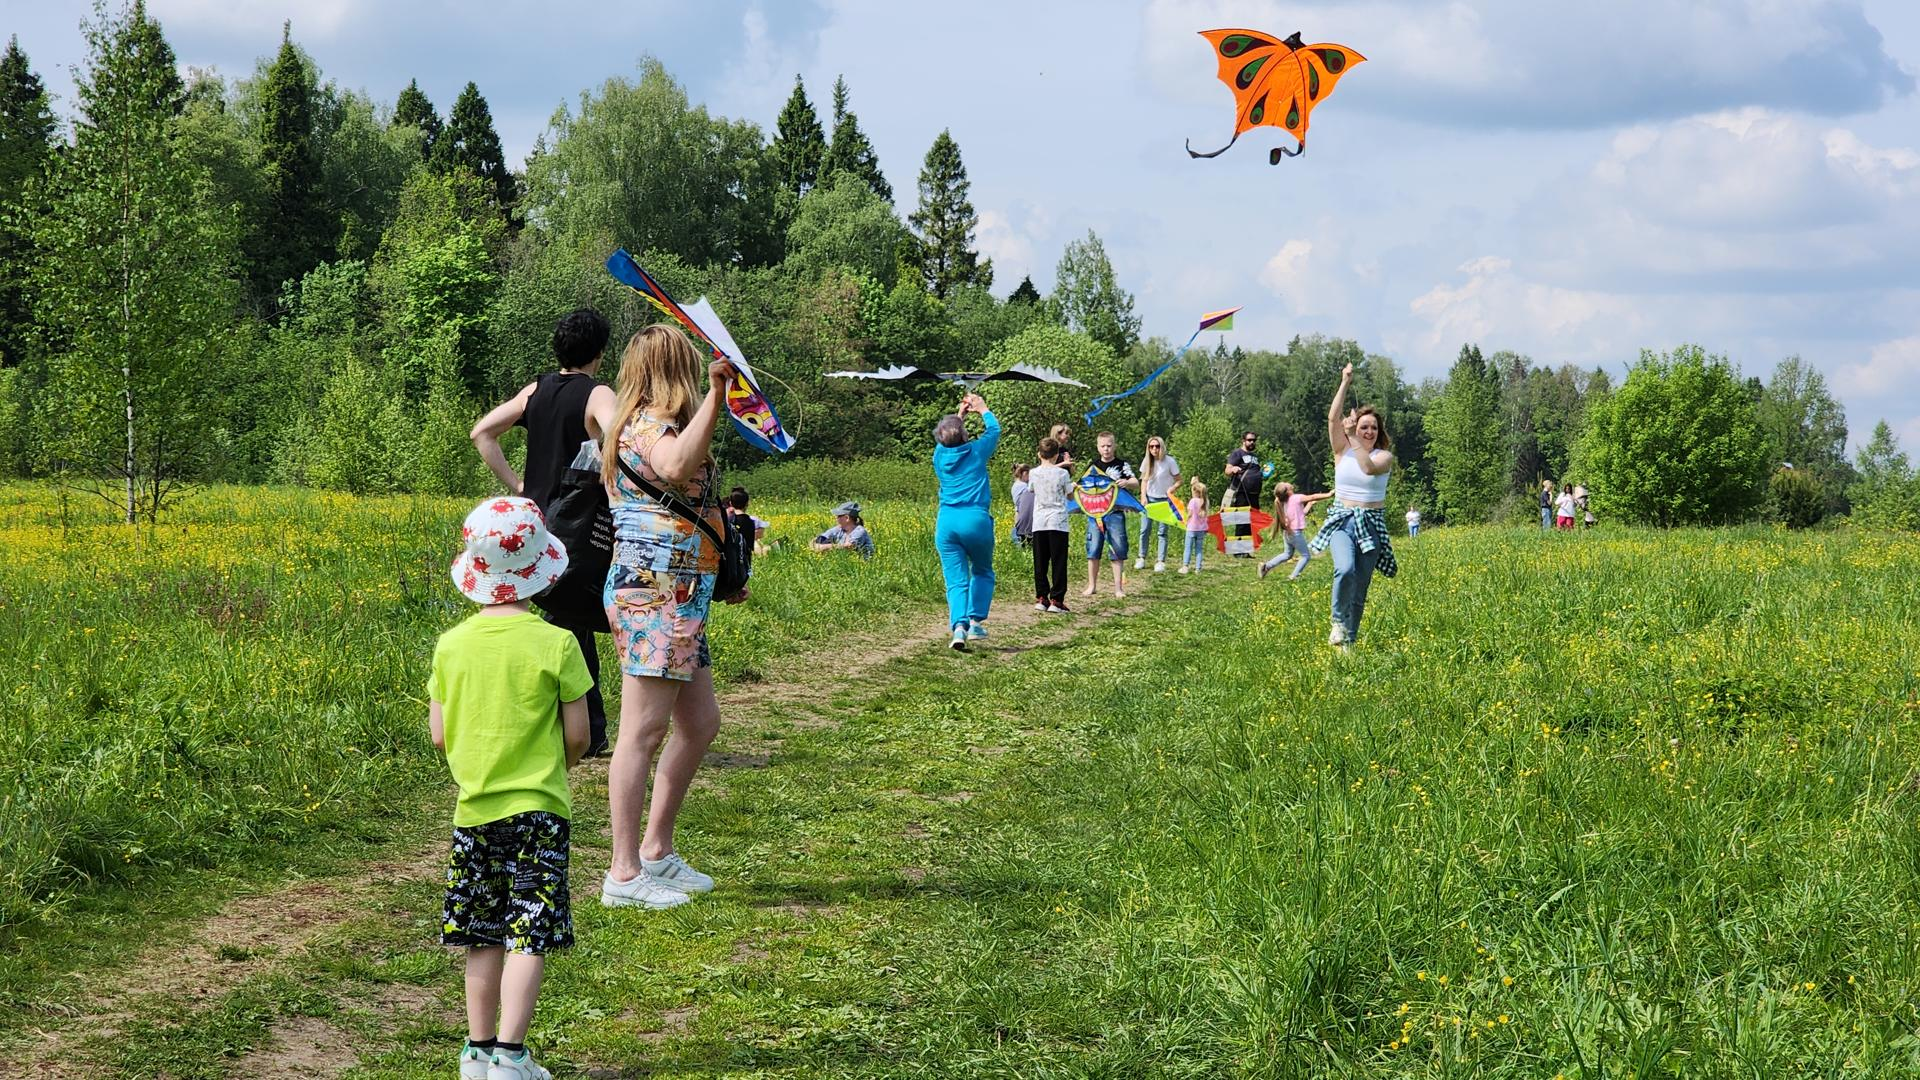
x,y
312,19
1892,366
1010,247
1494,304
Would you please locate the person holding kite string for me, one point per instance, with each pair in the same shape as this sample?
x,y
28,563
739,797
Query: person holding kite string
x,y
963,529
660,474
1355,531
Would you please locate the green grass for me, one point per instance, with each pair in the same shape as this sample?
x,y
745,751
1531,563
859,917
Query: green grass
x,y
1615,804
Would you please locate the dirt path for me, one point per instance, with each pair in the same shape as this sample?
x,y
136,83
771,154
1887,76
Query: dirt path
x,y
255,934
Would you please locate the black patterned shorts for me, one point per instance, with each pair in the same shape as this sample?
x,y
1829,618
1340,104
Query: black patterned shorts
x,y
507,885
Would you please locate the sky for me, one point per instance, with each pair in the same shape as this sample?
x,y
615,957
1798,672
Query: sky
x,y
1568,180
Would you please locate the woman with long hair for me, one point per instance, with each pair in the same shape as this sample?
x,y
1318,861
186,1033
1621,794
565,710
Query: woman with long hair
x,y
1159,475
1355,531
659,470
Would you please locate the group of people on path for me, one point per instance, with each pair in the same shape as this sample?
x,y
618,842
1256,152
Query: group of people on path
x,y
1354,533
513,697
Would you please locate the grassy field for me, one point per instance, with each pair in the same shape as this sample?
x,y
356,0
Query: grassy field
x,y
1614,804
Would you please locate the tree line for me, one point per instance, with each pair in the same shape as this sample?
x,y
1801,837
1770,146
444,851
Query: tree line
x,y
274,278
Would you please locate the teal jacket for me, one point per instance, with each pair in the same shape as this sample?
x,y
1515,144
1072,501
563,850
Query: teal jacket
x,y
962,469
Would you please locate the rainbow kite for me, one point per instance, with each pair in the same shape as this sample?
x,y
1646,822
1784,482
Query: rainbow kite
x,y
1168,511
1212,320
747,406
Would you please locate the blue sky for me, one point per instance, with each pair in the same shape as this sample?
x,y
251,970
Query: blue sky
x,y
1570,180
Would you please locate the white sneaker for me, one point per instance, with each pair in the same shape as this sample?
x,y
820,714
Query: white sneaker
x,y
1041,606
1185,569
523,1067
473,1062
976,631
673,872
1159,568
1337,635
959,642
640,891
1139,564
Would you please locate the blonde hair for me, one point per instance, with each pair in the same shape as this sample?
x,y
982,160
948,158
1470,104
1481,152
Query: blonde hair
x,y
660,375
1198,488
1147,459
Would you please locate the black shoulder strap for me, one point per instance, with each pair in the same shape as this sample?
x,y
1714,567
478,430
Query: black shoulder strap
x,y
674,503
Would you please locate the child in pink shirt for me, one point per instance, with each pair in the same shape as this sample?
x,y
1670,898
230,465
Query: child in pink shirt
x,y
1293,519
1196,528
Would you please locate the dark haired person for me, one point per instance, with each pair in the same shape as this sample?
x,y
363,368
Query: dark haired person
x,y
736,506
560,410
1243,489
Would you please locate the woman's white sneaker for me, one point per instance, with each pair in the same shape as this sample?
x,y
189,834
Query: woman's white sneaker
x,y
639,891
673,872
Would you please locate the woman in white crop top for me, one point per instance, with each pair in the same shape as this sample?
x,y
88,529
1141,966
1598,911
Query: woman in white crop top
x,y
1355,532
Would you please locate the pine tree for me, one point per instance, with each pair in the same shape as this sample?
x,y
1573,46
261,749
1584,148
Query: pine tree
x,y
26,145
297,233
850,151
799,145
945,222
470,144
134,267
1026,293
1471,458
1087,296
414,110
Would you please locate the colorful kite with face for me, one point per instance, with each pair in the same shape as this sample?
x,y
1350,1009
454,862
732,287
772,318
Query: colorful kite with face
x,y
1275,83
747,406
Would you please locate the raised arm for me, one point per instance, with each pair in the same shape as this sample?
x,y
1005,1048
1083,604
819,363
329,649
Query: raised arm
x,y
1336,431
679,454
486,436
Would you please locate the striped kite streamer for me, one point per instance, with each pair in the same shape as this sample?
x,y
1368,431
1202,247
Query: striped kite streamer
x,y
1212,320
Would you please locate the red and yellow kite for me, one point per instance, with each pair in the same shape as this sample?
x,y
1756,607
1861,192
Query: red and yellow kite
x,y
1275,83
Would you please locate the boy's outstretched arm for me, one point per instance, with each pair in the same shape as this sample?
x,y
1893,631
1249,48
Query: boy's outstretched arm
x,y
436,726
573,726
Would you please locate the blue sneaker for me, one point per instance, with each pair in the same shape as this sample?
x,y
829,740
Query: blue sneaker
x,y
976,631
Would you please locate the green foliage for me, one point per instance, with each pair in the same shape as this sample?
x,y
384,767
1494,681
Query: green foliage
x,y
1886,493
295,232
359,438
824,481
544,281
842,223
1201,444
414,110
1027,410
127,213
1807,428
365,164
1025,293
1677,444
1471,457
1544,413
850,152
13,422
435,271
945,222
1795,498
980,322
26,145
471,145
444,462
1087,297
637,163
799,149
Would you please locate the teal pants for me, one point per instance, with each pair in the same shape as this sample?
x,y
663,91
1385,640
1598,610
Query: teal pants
x,y
964,539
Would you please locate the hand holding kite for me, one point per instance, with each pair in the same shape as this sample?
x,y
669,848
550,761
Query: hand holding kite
x,y
1275,83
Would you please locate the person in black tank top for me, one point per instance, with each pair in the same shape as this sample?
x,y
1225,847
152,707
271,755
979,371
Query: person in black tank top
x,y
560,410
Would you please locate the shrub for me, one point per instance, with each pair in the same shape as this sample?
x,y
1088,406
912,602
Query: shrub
x,y
1796,498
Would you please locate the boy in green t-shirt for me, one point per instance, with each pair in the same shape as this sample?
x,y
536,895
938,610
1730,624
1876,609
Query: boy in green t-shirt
x,y
507,704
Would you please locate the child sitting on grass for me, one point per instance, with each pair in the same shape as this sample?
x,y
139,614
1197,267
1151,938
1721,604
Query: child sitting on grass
x,y
1197,535
507,704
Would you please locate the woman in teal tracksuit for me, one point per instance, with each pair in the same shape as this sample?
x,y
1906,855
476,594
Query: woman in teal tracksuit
x,y
963,531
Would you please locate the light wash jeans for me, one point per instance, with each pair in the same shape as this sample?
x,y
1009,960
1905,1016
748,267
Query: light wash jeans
x,y
1546,517
1145,524
1294,543
1352,574
1196,549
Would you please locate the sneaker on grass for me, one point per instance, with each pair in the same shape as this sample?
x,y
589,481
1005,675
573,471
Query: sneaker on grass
x,y
959,642
976,631
1160,568
1139,564
673,872
1059,609
473,1062
519,1066
1040,606
639,891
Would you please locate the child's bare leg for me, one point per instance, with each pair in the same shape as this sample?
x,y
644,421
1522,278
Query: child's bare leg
x,y
1119,579
1093,577
483,992
519,987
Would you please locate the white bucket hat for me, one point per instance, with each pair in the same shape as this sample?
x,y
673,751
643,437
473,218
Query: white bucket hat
x,y
510,556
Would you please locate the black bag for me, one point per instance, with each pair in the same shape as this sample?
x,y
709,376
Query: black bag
x,y
578,516
734,544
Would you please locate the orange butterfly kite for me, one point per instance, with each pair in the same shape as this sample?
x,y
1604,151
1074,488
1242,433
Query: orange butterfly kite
x,y
1275,83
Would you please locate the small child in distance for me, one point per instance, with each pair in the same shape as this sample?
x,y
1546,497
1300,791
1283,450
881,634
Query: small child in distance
x,y
1197,535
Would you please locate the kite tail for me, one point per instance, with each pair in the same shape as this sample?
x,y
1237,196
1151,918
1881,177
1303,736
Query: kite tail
x,y
1101,404
1191,152
1274,155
